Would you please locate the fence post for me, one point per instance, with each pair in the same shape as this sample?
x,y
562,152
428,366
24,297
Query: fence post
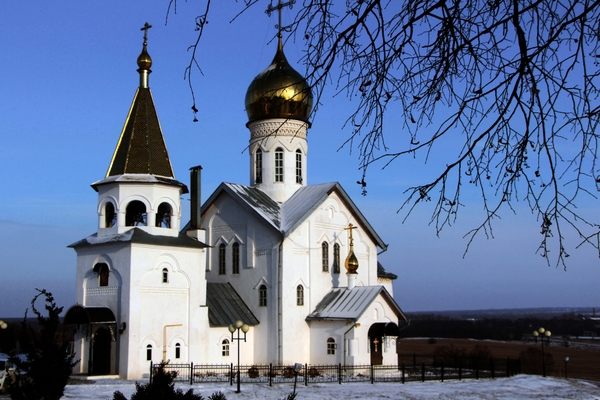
x,y
402,372
270,374
372,374
231,374
508,367
460,372
415,360
423,372
442,371
476,370
340,373
151,370
191,373
492,366
306,377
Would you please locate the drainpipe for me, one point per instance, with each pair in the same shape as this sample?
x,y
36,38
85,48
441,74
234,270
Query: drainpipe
x,y
279,304
165,339
354,325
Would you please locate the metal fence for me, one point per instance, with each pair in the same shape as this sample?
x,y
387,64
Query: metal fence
x,y
411,367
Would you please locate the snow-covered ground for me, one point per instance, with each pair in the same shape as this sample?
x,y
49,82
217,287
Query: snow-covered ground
x,y
515,388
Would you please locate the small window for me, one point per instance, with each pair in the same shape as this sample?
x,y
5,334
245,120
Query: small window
x,y
163,216
298,166
225,348
103,274
165,275
177,350
149,352
325,256
110,216
136,214
262,296
235,258
331,346
222,259
336,258
258,166
300,295
279,165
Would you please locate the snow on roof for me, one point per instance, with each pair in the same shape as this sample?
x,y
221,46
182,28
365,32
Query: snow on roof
x,y
137,235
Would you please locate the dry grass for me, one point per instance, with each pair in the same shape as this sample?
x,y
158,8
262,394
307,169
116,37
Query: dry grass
x,y
583,363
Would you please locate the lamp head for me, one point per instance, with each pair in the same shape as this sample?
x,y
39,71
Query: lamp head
x,y
238,324
245,328
231,328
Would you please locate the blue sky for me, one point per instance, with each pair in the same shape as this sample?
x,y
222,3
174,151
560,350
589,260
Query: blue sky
x,y
67,80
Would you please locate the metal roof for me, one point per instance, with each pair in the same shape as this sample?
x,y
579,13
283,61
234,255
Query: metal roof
x,y
383,273
137,235
141,148
287,216
350,304
80,315
225,306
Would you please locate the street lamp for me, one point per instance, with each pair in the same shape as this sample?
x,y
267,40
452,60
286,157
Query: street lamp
x,y
238,326
543,333
566,361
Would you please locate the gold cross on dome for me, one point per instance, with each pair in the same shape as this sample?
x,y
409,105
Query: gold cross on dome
x,y
145,29
279,7
350,228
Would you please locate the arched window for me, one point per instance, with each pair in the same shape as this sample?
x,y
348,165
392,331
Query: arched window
x,y
262,296
222,259
163,216
279,165
258,166
135,214
331,346
110,216
235,258
165,275
149,352
298,166
177,350
300,295
103,273
325,256
336,258
225,348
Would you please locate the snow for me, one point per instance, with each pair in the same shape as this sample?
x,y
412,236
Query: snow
x,y
515,388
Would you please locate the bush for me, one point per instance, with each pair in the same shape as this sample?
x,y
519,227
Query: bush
x,y
162,387
45,372
531,361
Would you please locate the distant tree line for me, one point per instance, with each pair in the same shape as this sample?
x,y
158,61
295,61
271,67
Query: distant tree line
x,y
439,326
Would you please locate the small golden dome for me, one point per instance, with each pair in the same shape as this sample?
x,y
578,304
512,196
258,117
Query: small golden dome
x,y
279,92
144,61
351,262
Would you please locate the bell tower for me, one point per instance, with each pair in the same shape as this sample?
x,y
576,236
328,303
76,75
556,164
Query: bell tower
x,y
278,103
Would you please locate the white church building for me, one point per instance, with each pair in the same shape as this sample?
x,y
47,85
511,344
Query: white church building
x,y
295,262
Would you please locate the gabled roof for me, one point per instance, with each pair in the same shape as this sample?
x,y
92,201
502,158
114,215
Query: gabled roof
x,y
225,306
287,216
141,148
350,304
137,235
383,273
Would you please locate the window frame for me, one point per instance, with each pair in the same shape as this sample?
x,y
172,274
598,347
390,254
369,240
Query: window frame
x,y
279,167
300,295
325,256
221,259
262,296
299,166
331,346
149,352
258,166
225,348
336,258
235,258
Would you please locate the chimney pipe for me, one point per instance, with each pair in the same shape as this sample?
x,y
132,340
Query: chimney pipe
x,y
195,179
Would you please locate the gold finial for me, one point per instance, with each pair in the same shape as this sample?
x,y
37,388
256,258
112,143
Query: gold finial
x,y
144,61
351,261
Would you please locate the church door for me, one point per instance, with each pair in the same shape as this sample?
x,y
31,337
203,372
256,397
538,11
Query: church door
x,y
376,350
101,352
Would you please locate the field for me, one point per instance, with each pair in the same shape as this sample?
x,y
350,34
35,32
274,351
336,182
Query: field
x,y
584,361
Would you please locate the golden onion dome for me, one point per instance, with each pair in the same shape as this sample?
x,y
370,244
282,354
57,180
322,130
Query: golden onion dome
x,y
279,92
144,61
351,262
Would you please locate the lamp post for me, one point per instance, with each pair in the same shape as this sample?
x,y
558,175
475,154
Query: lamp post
x,y
542,333
566,359
238,326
